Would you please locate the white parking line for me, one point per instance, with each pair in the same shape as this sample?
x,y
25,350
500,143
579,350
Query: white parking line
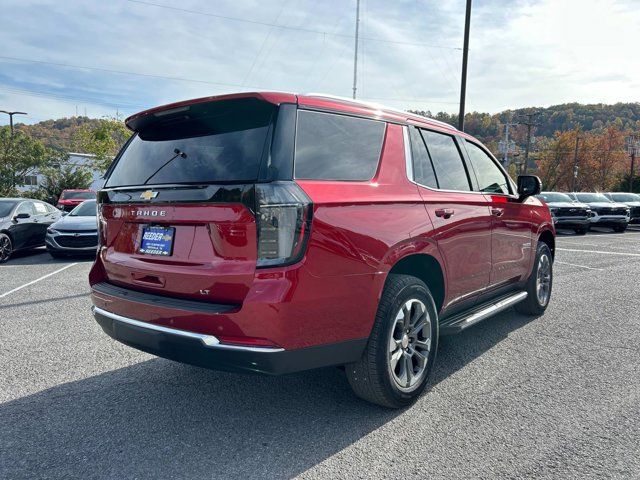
x,y
37,280
600,251
576,265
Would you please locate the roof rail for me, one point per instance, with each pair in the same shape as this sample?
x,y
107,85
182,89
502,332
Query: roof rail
x,y
378,106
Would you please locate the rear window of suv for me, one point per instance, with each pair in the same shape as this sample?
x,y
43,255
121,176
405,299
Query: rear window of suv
x,y
337,147
212,142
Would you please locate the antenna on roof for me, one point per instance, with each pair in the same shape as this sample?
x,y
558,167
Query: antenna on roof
x,y
355,55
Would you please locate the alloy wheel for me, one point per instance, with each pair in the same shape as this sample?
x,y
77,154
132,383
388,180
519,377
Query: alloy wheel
x,y
409,344
543,279
5,248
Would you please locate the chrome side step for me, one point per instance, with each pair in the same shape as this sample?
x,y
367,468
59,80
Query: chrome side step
x,y
457,323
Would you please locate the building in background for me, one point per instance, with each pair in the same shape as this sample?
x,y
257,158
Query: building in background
x,y
34,180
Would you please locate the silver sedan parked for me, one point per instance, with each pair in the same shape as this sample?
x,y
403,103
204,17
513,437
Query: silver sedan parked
x,y
75,233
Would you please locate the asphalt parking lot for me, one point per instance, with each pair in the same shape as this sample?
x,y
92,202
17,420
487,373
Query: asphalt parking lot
x,y
556,396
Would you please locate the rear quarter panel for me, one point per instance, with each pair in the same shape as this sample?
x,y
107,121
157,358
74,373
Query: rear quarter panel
x,y
360,230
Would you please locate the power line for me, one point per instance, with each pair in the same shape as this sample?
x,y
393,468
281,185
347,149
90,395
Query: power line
x,y
300,29
68,98
124,72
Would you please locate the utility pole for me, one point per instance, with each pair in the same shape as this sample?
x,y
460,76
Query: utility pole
x,y
465,58
11,114
633,147
355,54
575,162
505,145
530,123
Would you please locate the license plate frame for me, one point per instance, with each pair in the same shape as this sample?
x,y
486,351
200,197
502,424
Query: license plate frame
x,y
154,240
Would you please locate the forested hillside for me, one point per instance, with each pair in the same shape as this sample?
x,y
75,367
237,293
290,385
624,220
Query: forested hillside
x,y
57,134
591,136
598,130
490,128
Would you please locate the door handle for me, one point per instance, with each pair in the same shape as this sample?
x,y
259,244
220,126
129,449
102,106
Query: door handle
x,y
497,212
444,212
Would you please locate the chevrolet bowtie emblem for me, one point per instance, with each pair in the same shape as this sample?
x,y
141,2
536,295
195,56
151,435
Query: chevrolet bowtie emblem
x,y
148,195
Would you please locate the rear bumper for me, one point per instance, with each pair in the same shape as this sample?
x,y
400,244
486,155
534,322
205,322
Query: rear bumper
x,y
205,350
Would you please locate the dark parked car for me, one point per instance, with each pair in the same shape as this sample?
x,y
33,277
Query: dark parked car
x,y
70,199
605,212
273,233
75,233
631,200
566,212
23,224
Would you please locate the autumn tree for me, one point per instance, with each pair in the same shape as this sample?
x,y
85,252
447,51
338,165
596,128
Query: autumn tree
x,y
608,159
103,139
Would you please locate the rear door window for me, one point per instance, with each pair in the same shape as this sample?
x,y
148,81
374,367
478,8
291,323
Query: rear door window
x,y
212,142
423,172
447,161
337,147
490,177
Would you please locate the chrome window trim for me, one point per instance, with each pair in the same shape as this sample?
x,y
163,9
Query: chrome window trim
x,y
409,162
209,341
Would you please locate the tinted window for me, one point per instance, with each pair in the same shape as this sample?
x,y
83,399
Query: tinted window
x,y
422,167
624,197
77,195
555,197
447,161
591,197
85,209
207,143
6,207
490,177
337,147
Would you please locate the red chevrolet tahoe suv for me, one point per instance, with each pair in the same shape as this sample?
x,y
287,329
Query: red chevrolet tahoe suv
x,y
273,233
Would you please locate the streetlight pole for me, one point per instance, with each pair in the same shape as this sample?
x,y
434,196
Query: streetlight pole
x,y
465,58
11,114
633,147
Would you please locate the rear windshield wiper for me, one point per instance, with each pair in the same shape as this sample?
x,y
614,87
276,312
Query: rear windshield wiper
x,y
177,152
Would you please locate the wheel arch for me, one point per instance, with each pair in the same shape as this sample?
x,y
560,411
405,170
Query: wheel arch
x,y
8,234
428,269
547,236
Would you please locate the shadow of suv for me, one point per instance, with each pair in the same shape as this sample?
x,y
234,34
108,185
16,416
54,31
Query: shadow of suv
x,y
273,233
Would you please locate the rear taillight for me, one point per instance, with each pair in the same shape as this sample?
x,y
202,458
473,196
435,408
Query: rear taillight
x,y
102,227
283,218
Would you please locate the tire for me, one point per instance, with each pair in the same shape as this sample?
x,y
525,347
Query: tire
x,y
582,231
6,247
620,229
383,373
536,304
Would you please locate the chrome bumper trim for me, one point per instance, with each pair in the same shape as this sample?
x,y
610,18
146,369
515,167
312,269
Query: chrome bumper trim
x,y
208,341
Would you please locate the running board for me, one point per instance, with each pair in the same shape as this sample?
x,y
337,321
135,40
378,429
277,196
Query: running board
x,y
457,323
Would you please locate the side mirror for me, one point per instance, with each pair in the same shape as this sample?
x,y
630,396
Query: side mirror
x,y
22,216
528,185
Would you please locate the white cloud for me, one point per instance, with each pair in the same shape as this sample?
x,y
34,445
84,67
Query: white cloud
x,y
522,52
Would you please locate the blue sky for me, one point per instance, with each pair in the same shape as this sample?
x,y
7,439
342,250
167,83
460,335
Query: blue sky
x,y
523,53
